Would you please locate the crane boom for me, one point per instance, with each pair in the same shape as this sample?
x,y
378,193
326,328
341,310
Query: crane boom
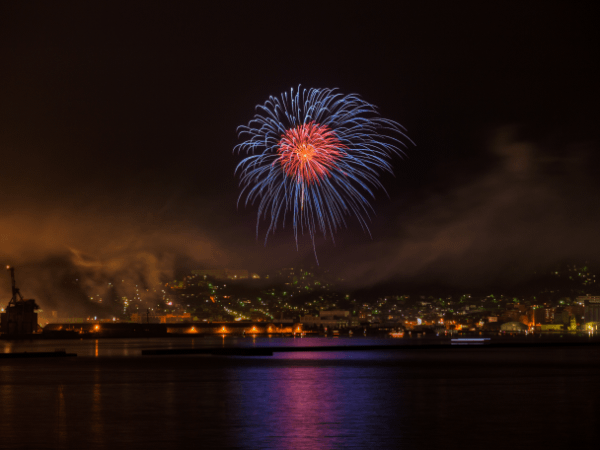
x,y
15,289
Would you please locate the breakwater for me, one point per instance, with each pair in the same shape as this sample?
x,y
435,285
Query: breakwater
x,y
269,350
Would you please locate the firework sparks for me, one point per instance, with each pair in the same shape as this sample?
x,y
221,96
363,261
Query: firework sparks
x,y
315,155
309,152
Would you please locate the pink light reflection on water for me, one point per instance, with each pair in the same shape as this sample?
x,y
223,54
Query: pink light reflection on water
x,y
304,402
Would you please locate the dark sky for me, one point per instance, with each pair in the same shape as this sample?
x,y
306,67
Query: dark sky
x,y
118,120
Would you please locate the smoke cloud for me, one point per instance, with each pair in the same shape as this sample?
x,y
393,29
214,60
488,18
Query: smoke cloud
x,y
63,256
535,208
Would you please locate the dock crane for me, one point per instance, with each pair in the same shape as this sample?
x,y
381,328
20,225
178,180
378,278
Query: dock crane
x,y
20,317
15,289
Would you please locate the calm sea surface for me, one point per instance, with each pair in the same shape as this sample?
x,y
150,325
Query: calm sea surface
x,y
111,397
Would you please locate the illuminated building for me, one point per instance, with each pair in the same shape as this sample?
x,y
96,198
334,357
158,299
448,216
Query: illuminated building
x,y
588,298
544,315
231,328
514,327
327,315
551,327
592,309
331,319
160,318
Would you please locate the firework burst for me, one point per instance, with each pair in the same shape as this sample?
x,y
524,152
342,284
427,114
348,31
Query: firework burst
x,y
315,156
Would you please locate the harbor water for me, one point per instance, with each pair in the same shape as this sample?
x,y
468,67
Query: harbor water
x,y
112,397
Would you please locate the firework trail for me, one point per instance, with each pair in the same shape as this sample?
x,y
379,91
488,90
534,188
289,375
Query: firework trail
x,y
315,155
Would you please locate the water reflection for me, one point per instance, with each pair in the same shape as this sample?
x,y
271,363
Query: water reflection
x,y
312,400
133,346
7,403
312,406
97,423
61,413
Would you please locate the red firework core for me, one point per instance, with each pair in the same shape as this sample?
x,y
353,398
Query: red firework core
x,y
309,152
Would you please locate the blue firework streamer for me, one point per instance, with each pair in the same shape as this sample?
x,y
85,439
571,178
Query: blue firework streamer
x,y
314,156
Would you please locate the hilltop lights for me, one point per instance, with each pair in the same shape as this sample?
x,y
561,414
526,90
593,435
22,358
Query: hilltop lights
x,y
285,298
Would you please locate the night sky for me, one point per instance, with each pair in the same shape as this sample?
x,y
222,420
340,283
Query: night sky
x,y
118,122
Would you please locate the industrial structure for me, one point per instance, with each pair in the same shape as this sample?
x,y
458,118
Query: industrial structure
x,y
20,317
